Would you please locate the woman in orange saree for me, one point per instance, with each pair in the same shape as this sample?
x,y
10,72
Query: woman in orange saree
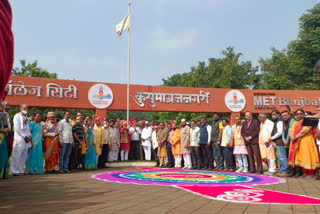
x,y
50,131
303,151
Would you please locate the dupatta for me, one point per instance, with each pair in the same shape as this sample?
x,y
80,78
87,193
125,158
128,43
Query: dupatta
x,y
294,144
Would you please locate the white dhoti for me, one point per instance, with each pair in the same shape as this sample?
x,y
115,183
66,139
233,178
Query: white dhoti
x,y
147,149
19,157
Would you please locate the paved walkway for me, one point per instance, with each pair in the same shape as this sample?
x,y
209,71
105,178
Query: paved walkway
x,y
77,193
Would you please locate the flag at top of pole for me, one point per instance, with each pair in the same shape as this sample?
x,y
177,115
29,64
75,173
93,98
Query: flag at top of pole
x,y
123,25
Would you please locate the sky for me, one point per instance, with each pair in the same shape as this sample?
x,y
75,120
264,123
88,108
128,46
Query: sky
x,y
77,39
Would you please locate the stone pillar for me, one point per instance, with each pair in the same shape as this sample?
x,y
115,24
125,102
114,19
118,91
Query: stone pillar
x,y
101,113
232,116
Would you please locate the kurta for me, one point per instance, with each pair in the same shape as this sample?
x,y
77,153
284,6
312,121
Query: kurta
x,y
49,133
20,147
34,163
307,155
99,139
106,134
113,140
161,137
154,139
185,139
174,139
124,139
239,146
264,136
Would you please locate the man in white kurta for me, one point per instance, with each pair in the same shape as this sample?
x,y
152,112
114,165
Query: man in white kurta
x,y
155,144
185,144
146,140
22,141
266,146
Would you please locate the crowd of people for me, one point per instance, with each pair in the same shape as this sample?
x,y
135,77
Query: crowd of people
x,y
281,145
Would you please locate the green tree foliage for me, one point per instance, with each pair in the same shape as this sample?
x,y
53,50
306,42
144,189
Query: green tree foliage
x,y
32,70
225,72
293,68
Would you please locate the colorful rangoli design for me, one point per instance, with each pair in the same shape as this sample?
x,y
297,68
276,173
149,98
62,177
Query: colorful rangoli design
x,y
226,186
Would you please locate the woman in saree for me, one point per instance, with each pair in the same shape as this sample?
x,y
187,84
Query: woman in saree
x,y
89,159
4,160
34,163
303,154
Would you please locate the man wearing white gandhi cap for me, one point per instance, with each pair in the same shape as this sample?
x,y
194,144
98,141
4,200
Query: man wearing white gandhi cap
x,y
185,144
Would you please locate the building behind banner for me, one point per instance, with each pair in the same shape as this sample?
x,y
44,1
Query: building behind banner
x,y
102,97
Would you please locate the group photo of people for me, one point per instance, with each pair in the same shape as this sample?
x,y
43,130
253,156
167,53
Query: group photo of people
x,y
274,144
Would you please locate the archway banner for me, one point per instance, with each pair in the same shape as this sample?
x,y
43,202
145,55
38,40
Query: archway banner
x,y
57,93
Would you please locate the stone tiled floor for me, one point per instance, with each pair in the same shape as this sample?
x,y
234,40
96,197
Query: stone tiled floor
x,y
77,193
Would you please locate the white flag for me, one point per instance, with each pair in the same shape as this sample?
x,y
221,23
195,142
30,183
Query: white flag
x,y
123,25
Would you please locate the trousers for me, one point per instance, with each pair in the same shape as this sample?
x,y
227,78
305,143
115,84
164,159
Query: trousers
x,y
177,159
171,160
64,156
228,157
195,157
206,152
254,151
218,155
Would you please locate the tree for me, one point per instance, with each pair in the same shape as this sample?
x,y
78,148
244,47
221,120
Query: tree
x,y
293,67
226,72
32,70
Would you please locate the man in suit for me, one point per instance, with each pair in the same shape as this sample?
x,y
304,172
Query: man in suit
x,y
250,133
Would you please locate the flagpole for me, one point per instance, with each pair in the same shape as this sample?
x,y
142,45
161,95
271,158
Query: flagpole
x,y
128,83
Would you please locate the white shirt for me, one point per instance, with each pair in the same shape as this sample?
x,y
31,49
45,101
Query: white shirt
x,y
135,135
279,130
146,135
65,129
267,129
155,143
209,130
194,136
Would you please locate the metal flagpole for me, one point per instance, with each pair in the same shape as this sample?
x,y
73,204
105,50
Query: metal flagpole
x,y
128,83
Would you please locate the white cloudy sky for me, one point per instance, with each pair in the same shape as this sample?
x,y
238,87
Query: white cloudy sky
x,y
77,39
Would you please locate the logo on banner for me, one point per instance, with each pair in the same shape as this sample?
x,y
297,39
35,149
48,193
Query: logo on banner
x,y
235,101
100,96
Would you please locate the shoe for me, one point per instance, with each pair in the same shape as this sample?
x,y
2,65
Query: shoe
x,y
189,168
253,172
225,170
61,172
297,175
309,177
303,176
156,165
270,173
199,168
231,170
205,168
185,167
67,171
245,171
211,168
239,170
291,174
283,175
